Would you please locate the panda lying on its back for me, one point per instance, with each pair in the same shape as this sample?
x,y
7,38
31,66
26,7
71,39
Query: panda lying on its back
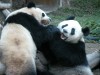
x,y
76,32
60,53
16,45
72,32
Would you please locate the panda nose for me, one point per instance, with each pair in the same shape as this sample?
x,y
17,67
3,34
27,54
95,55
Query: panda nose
x,y
65,31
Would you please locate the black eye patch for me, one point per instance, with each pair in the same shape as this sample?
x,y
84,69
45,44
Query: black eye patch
x,y
43,14
64,25
65,31
73,31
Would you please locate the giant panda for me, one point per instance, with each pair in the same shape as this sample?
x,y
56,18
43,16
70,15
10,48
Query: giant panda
x,y
60,53
71,31
17,47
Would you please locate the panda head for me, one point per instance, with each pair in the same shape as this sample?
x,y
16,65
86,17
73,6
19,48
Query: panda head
x,y
72,32
39,14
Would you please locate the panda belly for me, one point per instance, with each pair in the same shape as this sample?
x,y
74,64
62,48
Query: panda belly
x,y
18,50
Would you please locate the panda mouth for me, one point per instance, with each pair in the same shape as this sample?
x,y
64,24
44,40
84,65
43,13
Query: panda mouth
x,y
63,37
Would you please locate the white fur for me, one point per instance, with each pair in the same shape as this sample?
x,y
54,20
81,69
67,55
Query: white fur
x,y
78,31
77,70
16,45
93,59
38,16
2,68
84,70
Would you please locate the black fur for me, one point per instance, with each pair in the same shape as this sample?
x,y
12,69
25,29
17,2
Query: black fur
x,y
48,41
72,31
64,25
70,18
85,31
31,4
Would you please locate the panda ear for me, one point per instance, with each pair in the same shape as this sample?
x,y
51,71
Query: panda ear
x,y
31,4
70,18
86,31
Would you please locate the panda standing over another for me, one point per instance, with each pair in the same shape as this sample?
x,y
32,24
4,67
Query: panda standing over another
x,y
17,47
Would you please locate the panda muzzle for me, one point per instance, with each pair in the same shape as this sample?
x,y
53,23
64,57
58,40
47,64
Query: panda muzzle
x,y
45,22
63,37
